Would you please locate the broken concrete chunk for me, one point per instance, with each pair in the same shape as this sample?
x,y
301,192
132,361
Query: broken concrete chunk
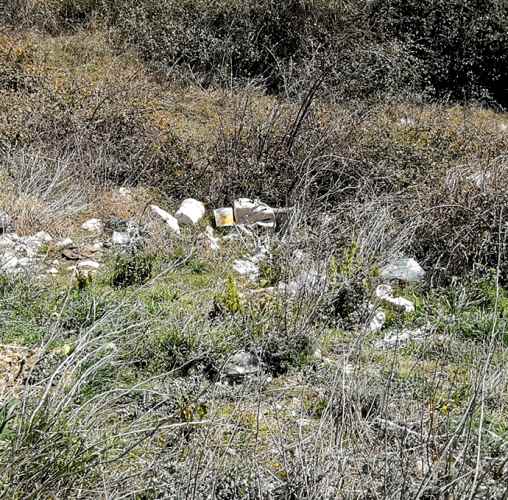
x,y
224,217
93,226
248,212
120,238
167,218
385,293
403,269
191,211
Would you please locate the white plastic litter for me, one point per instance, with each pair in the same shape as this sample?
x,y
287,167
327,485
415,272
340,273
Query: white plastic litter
x,y
191,211
166,217
224,217
404,269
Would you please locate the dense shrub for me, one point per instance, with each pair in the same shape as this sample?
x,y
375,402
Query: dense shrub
x,y
462,44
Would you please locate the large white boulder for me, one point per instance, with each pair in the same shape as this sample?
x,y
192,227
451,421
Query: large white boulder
x,y
191,211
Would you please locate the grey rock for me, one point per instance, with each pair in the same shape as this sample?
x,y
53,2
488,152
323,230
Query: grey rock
x,y
403,269
241,364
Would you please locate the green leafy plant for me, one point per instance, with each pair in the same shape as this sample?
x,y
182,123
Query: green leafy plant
x,y
132,269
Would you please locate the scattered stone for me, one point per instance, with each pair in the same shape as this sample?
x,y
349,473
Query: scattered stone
x,y
378,321
255,212
400,339
191,211
403,269
385,293
224,217
42,236
95,247
241,364
120,238
88,264
123,191
93,226
71,253
6,223
52,270
166,217
67,242
246,268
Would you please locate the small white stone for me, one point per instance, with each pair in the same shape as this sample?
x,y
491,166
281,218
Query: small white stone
x,y
385,293
246,268
93,226
52,270
42,236
120,238
123,191
377,322
88,264
67,242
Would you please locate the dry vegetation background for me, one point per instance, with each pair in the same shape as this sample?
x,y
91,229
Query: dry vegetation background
x,y
388,117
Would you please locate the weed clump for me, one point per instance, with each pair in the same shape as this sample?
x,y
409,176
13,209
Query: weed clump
x,y
132,269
